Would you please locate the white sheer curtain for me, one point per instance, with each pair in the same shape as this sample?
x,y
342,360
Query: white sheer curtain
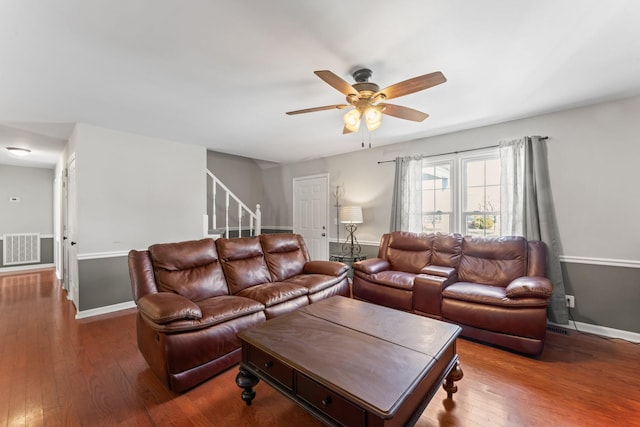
x,y
406,210
527,208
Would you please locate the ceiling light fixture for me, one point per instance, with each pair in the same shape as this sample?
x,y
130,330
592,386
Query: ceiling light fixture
x,y
372,117
17,151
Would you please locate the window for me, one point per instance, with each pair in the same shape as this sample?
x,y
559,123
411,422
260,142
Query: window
x,y
462,194
437,206
481,196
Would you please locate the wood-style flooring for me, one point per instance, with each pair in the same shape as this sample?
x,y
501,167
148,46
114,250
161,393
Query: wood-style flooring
x,y
59,371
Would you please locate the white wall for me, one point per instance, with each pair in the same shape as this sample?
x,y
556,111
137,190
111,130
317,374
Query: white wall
x,y
593,159
134,191
34,212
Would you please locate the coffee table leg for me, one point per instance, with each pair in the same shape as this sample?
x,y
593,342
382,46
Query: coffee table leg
x,y
246,380
454,375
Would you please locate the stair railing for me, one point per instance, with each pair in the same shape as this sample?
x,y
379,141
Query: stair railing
x,y
254,224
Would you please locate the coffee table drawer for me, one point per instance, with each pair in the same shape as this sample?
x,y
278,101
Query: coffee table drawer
x,y
328,402
271,367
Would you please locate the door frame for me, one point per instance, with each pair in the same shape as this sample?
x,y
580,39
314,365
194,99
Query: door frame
x,y
296,180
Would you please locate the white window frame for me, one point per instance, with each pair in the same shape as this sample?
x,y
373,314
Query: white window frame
x,y
451,162
457,162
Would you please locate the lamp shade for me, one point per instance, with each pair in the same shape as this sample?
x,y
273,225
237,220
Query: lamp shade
x,y
351,215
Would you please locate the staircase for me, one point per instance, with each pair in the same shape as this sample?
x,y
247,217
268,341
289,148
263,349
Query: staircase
x,y
230,217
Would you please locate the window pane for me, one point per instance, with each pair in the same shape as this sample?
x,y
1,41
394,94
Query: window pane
x,y
492,202
475,173
493,172
482,225
437,197
437,223
474,200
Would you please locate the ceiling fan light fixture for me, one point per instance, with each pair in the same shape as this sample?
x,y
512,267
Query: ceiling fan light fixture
x,y
352,120
373,118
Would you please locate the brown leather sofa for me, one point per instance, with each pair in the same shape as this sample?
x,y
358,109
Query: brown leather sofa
x,y
194,297
494,288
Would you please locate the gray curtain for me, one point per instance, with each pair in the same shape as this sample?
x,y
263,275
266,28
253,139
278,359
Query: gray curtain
x,y
527,208
406,206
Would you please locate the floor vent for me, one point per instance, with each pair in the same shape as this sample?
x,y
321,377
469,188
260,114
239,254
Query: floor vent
x,y
20,248
557,330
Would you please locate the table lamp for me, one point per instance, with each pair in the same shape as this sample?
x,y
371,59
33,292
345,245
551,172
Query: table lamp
x,y
350,216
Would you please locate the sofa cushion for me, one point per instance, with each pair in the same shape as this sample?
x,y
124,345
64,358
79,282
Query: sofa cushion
x,y
285,255
446,250
409,252
243,262
190,269
315,282
393,279
493,261
488,295
274,293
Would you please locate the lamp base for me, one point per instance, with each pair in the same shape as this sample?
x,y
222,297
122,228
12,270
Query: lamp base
x,y
351,246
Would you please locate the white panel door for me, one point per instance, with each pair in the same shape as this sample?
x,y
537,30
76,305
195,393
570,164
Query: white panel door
x,y
71,258
310,213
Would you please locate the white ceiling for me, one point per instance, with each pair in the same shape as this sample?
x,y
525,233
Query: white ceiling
x,y
222,74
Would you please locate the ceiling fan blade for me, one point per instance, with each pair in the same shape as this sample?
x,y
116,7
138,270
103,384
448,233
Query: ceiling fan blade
x,y
403,112
413,85
326,107
336,82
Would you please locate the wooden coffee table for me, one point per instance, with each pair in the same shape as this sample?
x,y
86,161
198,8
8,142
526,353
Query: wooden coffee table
x,y
352,363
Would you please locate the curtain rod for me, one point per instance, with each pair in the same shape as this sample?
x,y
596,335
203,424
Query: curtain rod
x,y
457,152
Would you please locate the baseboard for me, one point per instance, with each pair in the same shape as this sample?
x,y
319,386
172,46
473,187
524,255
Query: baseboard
x,y
105,310
26,267
600,330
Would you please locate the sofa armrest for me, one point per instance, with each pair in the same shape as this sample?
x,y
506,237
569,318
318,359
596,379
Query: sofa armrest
x,y
330,268
166,307
427,293
372,265
438,270
529,287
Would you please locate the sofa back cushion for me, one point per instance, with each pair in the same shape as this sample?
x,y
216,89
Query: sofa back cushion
x,y
493,261
446,250
285,254
191,269
243,262
409,252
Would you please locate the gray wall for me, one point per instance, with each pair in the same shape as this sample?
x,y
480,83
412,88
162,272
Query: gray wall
x,y
34,212
104,282
133,191
593,154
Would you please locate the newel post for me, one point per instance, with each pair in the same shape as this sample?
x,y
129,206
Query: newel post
x,y
258,220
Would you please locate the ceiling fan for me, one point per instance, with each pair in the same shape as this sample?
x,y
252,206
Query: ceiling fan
x,y
368,100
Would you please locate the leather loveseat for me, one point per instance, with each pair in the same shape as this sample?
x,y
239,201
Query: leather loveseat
x,y
193,298
494,288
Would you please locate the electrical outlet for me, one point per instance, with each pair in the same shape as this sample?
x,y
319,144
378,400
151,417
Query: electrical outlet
x,y
571,301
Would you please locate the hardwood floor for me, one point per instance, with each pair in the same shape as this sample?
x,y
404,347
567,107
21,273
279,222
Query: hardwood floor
x,y
55,370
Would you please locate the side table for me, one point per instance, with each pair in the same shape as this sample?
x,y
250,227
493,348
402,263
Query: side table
x,y
347,259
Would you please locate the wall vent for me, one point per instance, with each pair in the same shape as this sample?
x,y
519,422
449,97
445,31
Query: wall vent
x,y
557,329
21,248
